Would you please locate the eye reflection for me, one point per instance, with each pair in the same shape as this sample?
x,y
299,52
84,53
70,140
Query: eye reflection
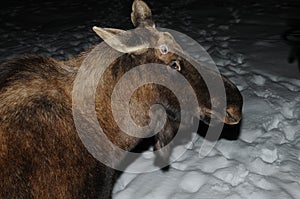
x,y
164,49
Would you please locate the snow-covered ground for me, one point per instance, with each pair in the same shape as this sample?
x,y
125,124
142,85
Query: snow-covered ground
x,y
244,40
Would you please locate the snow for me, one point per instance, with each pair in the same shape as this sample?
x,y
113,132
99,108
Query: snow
x,y
243,38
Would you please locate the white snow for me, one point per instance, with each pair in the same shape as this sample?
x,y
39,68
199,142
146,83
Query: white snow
x,y
244,41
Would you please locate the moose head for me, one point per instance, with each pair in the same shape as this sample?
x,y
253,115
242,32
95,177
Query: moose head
x,y
143,45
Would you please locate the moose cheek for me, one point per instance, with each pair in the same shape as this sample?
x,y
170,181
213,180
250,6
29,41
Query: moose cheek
x,y
165,58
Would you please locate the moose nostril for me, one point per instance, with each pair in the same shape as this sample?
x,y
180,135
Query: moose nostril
x,y
230,117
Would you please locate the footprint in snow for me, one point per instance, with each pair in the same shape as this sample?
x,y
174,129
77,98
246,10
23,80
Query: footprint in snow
x,y
258,80
192,181
232,175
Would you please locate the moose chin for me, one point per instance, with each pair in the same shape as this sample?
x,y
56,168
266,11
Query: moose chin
x,y
41,154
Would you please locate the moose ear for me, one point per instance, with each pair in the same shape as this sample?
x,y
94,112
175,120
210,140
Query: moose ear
x,y
106,33
120,43
141,15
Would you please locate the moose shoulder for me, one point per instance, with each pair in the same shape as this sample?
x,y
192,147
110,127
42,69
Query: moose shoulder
x,y
41,154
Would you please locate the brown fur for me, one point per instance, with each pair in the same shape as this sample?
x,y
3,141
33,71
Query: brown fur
x,y
41,155
40,148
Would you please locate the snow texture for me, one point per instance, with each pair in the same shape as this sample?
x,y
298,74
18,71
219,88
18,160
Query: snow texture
x,y
244,40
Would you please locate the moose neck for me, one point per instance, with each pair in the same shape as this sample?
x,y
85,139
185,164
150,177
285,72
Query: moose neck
x,y
105,86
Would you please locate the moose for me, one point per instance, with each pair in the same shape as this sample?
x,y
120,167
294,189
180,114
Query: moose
x,y
41,153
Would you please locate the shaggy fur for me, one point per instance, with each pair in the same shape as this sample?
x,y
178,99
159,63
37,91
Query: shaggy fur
x,y
41,154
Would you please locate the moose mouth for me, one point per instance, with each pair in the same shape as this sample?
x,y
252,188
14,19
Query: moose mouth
x,y
230,117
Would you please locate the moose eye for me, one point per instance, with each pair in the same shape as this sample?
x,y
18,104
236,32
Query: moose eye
x,y
164,49
175,65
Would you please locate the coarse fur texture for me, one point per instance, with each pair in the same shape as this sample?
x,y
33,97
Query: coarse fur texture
x,y
41,154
